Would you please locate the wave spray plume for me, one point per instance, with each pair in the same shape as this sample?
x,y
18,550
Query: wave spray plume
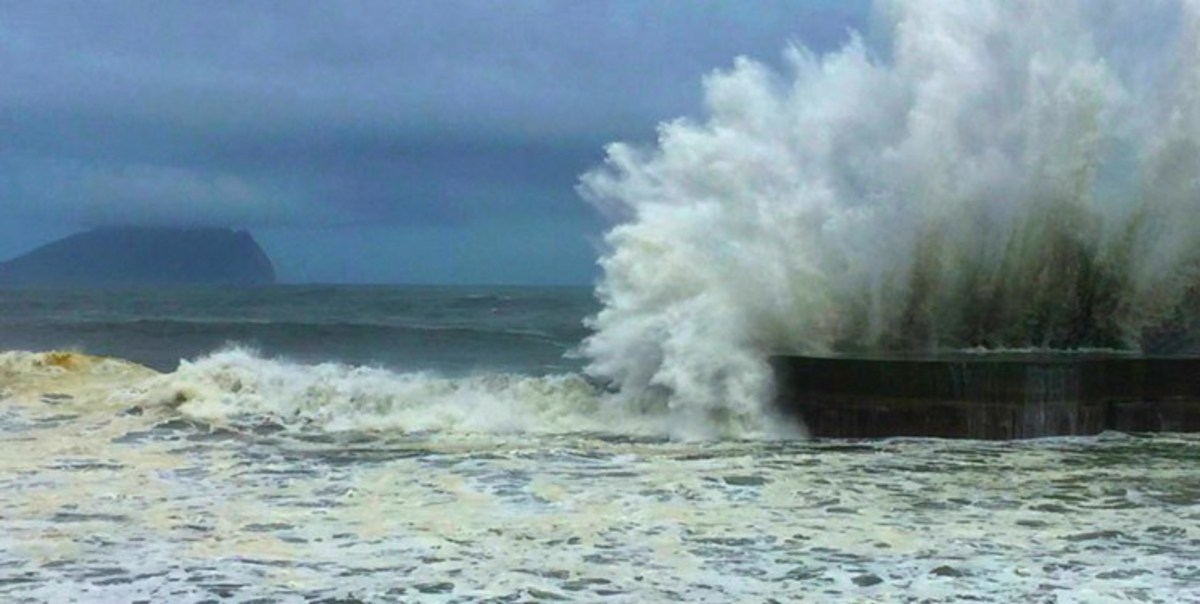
x,y
982,175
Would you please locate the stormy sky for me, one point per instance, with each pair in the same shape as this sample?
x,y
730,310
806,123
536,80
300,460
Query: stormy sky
x,y
388,142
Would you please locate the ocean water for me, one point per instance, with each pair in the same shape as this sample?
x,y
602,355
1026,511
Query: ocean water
x,y
304,444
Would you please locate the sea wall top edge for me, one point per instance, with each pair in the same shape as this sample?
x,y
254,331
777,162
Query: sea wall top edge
x,y
989,357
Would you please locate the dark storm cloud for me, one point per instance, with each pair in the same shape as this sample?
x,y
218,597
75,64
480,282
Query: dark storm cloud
x,y
295,113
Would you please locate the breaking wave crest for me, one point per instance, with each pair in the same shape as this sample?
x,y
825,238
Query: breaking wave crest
x,y
236,387
987,175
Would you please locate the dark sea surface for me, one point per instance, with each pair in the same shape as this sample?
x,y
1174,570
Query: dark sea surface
x,y
450,329
322,444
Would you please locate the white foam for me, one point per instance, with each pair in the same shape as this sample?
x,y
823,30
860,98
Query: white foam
x,y
238,385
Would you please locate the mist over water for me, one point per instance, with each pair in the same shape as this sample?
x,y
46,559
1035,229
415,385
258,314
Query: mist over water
x,y
989,175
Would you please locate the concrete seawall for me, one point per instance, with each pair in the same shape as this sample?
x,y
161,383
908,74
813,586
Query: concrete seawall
x,y
989,396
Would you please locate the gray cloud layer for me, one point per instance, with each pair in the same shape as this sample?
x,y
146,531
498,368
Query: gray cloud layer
x,y
291,113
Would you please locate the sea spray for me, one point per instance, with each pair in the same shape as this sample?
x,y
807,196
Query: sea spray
x,y
990,175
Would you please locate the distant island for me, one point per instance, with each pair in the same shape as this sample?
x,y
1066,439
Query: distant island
x,y
143,256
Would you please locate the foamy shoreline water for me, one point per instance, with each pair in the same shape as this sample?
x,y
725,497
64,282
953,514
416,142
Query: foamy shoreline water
x,y
103,500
